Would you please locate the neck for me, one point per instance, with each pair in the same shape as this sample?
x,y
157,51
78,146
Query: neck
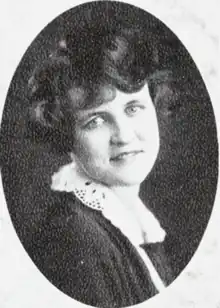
x,y
127,194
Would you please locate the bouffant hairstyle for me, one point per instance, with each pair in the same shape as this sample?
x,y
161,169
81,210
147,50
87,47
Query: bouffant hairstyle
x,y
81,66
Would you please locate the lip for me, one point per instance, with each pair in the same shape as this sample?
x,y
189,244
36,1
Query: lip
x,y
125,155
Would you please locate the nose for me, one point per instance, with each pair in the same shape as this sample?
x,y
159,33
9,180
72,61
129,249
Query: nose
x,y
123,133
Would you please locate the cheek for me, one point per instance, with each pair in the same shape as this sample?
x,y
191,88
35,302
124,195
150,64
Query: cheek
x,y
93,149
147,127
145,122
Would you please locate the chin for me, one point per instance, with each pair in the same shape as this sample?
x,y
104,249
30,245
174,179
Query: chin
x,y
133,173
130,180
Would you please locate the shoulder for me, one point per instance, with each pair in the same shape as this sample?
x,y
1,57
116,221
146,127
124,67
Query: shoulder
x,y
70,249
68,226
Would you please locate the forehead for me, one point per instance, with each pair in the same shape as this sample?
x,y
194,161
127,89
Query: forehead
x,y
110,98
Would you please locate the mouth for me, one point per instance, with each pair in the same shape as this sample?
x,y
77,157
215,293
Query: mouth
x,y
125,155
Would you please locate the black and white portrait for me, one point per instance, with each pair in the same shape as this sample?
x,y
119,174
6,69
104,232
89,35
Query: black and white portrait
x,y
109,154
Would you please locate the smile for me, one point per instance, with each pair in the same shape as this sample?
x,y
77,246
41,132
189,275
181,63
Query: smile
x,y
125,155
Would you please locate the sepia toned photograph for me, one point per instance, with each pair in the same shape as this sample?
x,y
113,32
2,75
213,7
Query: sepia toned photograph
x,y
108,154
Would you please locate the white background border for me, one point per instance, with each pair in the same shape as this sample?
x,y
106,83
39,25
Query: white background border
x,y
196,23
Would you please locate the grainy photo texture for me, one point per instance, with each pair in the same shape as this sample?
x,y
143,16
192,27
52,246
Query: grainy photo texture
x,y
109,154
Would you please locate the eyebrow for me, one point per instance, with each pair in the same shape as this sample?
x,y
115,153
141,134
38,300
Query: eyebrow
x,y
134,101
83,115
99,112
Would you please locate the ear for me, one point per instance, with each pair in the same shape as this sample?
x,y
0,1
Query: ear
x,y
73,158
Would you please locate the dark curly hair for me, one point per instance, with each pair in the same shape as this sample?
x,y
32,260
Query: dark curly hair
x,y
80,67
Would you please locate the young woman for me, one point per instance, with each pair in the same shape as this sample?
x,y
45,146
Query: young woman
x,y
93,99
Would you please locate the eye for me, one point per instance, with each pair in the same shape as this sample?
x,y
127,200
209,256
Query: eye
x,y
94,123
133,110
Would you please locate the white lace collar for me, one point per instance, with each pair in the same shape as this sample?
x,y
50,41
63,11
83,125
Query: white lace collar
x,y
101,198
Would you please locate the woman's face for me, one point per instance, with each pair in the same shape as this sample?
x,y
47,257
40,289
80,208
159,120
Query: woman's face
x,y
118,141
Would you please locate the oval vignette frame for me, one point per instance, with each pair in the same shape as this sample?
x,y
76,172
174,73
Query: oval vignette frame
x,y
177,214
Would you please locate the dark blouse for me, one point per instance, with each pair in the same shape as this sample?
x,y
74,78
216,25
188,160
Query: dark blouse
x,y
88,258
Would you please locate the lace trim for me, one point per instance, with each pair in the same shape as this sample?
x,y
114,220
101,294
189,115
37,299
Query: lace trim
x,y
98,197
